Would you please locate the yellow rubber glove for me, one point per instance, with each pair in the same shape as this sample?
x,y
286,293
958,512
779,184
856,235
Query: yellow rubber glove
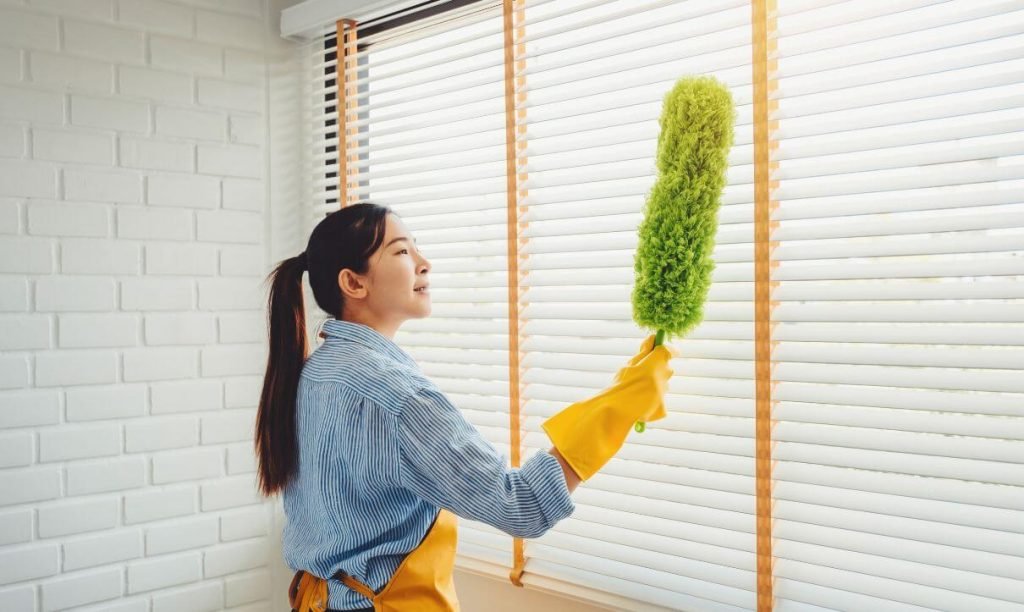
x,y
590,432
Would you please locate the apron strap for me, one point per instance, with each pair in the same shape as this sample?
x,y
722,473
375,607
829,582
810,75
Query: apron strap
x,y
356,585
307,593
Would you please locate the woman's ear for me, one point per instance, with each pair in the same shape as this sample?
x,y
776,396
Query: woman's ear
x,y
352,285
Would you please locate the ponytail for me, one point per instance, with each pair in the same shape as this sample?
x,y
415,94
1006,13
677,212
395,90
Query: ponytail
x,y
344,239
276,434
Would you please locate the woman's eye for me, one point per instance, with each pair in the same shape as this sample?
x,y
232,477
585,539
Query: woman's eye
x,y
403,251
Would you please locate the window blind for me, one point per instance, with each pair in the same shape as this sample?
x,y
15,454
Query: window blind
x,y
897,233
899,481
670,521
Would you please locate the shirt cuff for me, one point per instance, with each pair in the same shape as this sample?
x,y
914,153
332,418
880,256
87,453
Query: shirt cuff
x,y
547,480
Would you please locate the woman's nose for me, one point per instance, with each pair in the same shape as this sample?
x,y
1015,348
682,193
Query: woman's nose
x,y
421,259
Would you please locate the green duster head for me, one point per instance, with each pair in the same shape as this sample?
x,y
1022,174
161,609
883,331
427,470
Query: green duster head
x,y
673,259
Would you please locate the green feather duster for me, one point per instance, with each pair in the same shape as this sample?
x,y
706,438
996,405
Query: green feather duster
x,y
673,262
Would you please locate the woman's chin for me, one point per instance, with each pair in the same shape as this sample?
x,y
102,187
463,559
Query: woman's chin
x,y
424,310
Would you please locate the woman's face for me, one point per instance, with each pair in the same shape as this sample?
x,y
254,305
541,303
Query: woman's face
x,y
396,269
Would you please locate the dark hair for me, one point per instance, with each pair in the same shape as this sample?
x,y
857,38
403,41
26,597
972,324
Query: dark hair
x,y
345,238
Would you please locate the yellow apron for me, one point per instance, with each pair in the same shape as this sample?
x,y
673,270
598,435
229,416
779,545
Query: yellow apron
x,y
423,581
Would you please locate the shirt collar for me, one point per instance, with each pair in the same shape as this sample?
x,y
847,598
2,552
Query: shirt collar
x,y
367,336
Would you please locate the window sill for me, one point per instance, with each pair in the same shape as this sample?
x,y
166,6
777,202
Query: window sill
x,y
553,586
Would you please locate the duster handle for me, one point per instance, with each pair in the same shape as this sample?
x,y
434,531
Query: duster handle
x,y
659,339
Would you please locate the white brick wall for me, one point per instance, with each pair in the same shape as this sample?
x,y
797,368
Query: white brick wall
x,y
155,85
65,145
133,243
182,535
15,527
77,517
145,223
75,73
181,259
47,218
36,180
87,185
183,190
82,588
98,402
110,113
206,596
190,123
153,154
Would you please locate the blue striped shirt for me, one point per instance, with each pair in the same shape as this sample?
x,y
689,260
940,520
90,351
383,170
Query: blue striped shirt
x,y
381,449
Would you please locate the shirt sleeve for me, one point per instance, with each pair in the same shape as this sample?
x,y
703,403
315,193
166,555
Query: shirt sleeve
x,y
445,460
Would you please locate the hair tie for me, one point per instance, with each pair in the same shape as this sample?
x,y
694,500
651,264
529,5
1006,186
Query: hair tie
x,y
303,261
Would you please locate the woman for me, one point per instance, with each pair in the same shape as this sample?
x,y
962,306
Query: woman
x,y
373,460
